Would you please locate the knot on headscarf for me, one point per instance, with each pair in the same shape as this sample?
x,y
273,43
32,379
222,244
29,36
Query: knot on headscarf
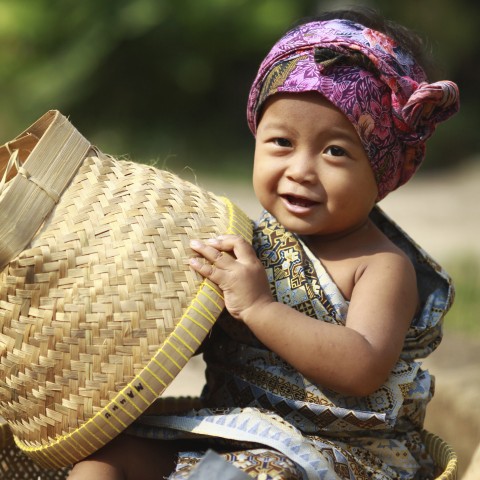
x,y
428,105
373,81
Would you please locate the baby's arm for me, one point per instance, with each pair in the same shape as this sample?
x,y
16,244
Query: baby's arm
x,y
355,359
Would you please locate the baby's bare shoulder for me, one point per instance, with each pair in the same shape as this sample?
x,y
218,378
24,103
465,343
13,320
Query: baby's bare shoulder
x,y
387,259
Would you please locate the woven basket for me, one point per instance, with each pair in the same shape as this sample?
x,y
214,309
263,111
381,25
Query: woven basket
x,y
443,455
16,465
99,310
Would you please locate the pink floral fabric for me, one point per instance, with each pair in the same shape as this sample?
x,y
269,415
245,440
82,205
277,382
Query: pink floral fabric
x,y
391,105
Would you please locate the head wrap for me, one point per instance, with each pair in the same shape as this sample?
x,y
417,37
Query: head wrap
x,y
372,80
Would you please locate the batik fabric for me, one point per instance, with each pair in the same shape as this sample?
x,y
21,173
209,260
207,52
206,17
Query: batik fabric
x,y
272,422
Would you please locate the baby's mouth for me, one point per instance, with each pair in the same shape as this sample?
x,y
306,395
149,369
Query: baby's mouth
x,y
298,201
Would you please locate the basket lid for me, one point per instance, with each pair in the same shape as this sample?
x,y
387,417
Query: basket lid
x,y
101,310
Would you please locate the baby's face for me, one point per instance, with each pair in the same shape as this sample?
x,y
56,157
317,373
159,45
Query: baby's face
x,y
311,171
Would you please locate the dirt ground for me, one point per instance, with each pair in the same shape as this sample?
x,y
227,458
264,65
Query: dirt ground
x,y
441,212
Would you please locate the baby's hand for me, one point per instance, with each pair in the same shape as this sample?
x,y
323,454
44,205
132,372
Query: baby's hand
x,y
231,263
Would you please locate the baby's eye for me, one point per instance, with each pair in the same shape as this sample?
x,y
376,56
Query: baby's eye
x,y
282,142
335,151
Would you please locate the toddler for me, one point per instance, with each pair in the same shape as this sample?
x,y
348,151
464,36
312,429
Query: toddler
x,y
312,371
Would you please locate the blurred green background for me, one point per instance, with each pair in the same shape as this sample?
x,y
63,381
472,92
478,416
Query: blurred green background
x,y
167,81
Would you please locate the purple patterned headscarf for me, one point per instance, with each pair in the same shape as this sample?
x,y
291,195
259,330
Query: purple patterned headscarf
x,y
375,83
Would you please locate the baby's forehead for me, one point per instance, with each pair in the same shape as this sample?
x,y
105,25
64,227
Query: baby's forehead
x,y
307,110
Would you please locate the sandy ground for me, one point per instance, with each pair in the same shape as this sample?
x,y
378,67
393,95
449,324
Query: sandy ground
x,y
441,212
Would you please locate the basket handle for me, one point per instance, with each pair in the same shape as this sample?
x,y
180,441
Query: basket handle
x,y
49,154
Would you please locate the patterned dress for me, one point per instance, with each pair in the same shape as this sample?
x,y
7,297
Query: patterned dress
x,y
273,423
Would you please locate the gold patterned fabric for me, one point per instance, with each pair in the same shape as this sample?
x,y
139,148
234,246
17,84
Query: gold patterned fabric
x,y
253,396
258,463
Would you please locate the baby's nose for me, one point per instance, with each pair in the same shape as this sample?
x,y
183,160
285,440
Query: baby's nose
x,y
302,168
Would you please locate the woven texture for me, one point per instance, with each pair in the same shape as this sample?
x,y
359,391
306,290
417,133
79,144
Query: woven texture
x,y
16,465
101,311
44,158
443,455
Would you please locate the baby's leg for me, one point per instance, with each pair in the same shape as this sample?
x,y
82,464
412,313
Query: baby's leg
x,y
128,458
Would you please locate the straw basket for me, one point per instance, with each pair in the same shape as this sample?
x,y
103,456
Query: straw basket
x,y
15,465
99,310
442,454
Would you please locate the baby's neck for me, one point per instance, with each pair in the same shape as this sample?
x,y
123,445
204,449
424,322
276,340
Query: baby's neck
x,y
360,240
346,255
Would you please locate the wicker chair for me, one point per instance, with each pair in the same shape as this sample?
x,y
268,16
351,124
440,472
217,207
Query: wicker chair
x,y
15,465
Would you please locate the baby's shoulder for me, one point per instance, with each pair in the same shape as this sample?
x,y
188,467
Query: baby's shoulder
x,y
384,257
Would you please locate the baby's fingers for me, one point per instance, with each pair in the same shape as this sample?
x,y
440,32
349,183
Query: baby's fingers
x,y
241,249
202,267
214,264
211,252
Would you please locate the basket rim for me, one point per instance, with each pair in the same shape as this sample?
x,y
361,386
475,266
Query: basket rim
x,y
66,449
443,455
